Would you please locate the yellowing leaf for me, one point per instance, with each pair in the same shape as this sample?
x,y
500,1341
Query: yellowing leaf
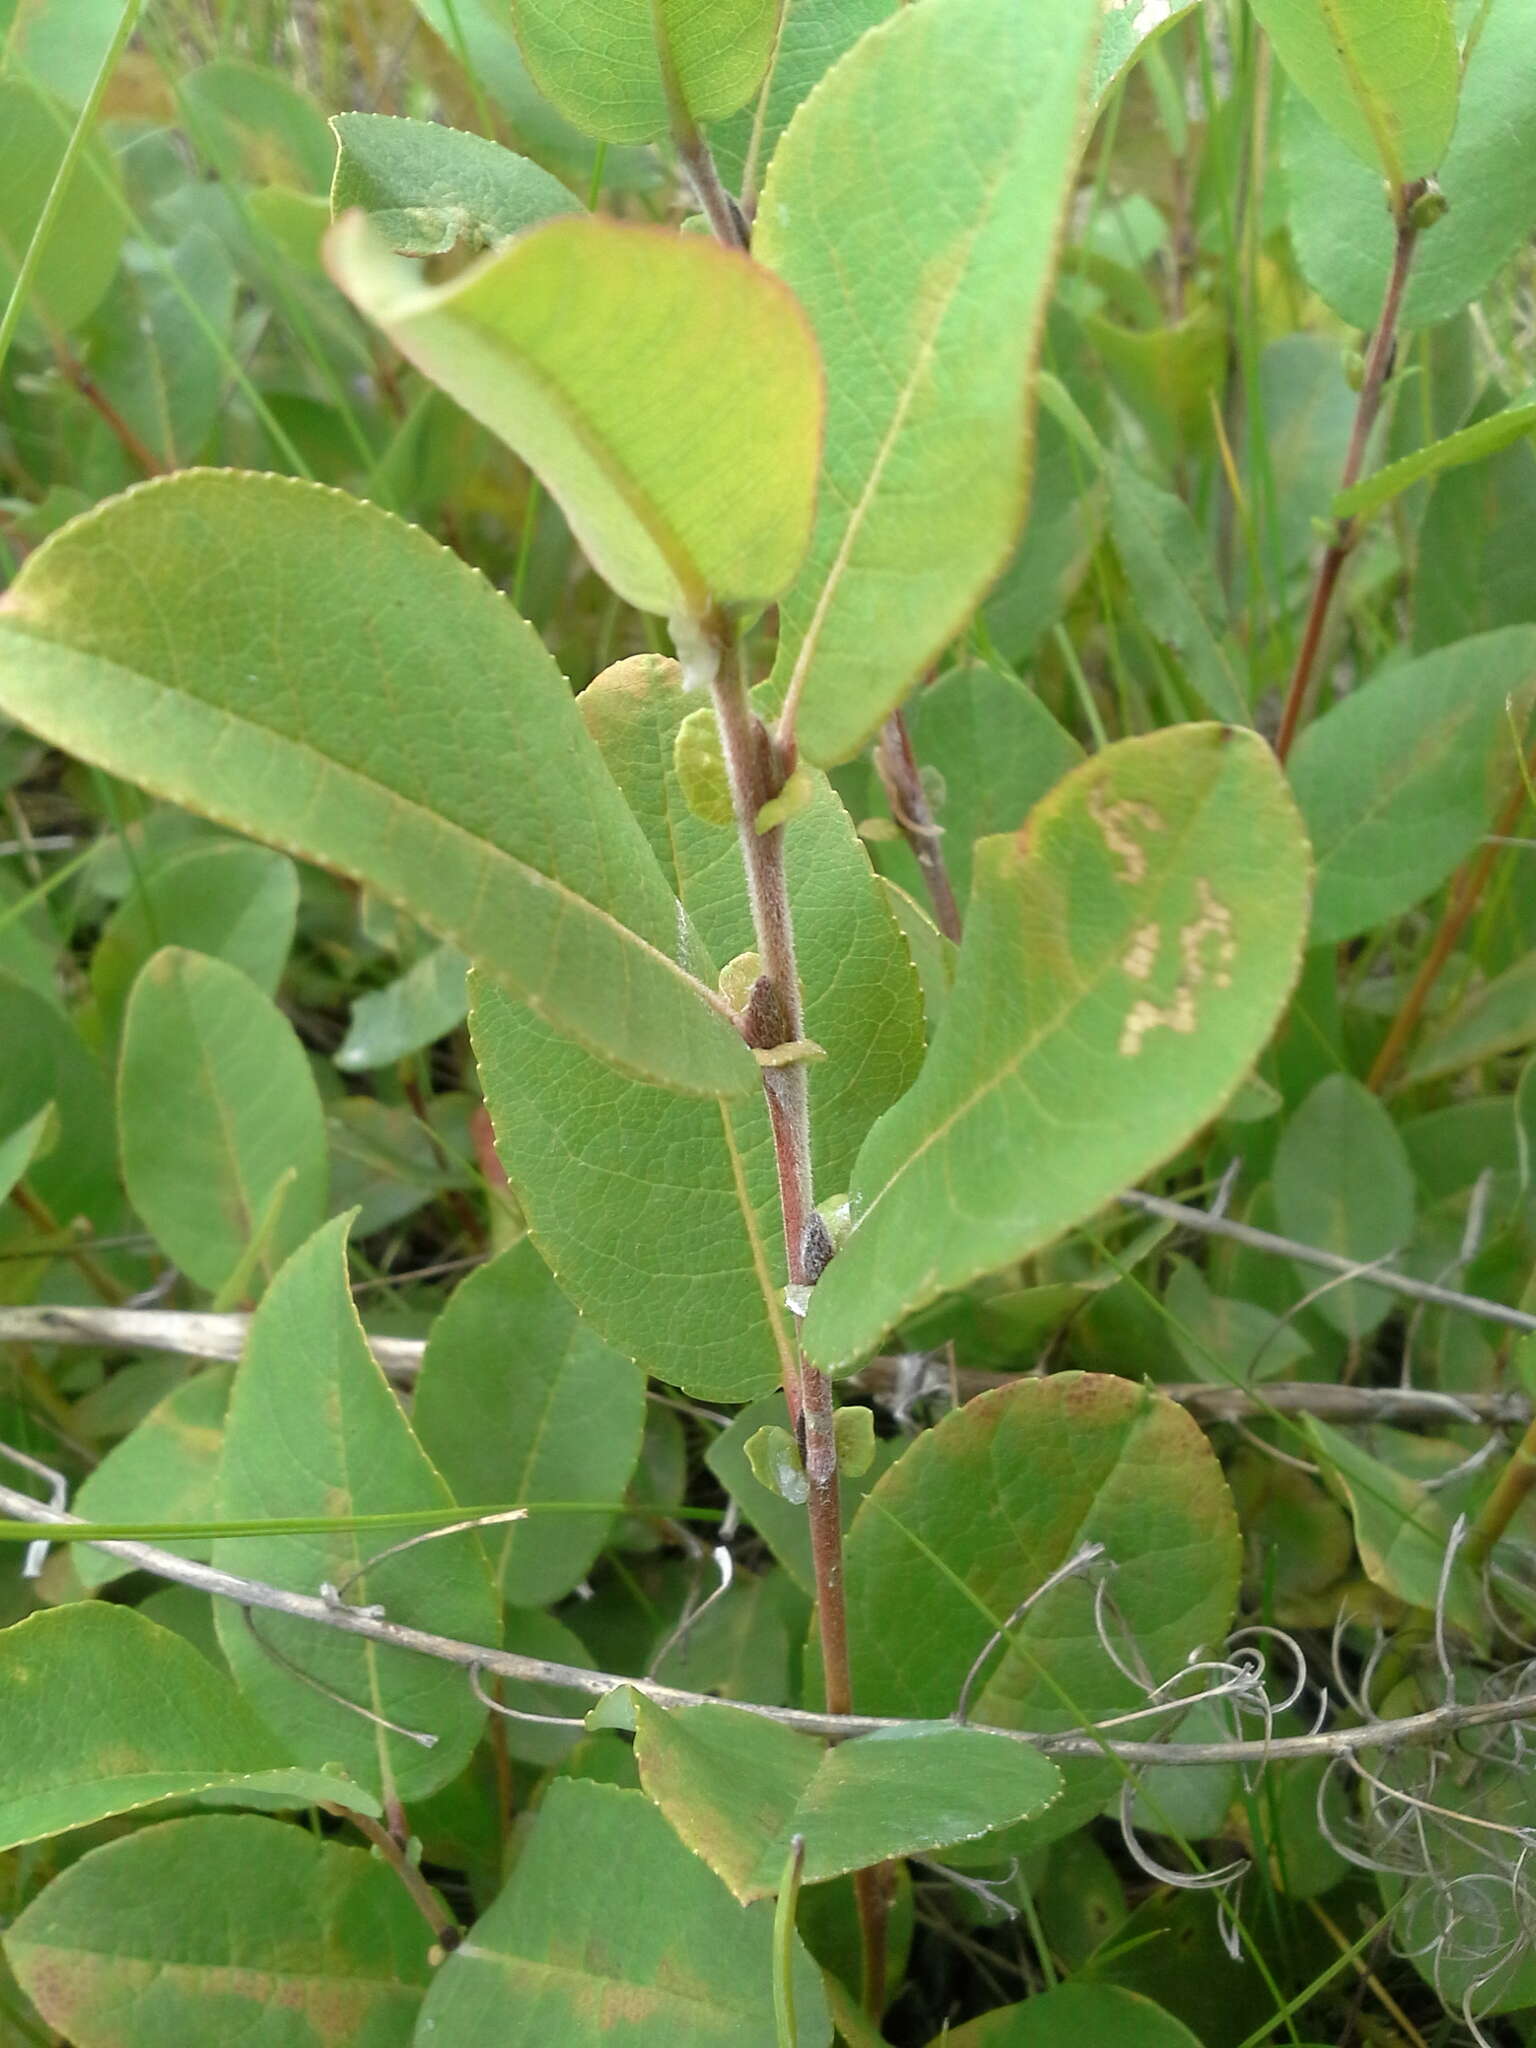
x,y
665,389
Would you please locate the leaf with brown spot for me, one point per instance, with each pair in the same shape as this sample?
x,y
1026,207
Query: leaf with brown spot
x,y
1125,958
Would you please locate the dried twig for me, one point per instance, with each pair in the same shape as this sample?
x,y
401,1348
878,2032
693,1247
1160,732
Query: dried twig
x,y
1410,1730
191,1333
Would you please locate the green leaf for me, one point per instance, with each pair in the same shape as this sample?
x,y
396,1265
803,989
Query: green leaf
x,y
1498,1018
777,1465
45,1062
1343,233
1165,374
660,1217
1126,957
163,363
1226,1341
657,1215
1383,74
530,1632
633,70
478,34
59,43
242,645
698,757
1402,1531
1128,28
598,351
1488,436
783,1528
166,1470
609,1924
104,1713
1074,2016
738,1788
933,956
990,750
313,1429
228,1928
87,234
520,1400
29,944
812,35
20,1147
1056,548
1475,567
1308,411
1343,1182
981,1510
222,1131
414,1010
929,319
1399,780
1167,563
237,902
425,187
254,125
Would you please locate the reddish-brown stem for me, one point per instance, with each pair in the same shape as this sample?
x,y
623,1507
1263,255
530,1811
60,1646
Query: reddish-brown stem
x,y
470,1222
1465,896
725,217
137,450
896,764
422,1896
1373,384
37,1211
775,1016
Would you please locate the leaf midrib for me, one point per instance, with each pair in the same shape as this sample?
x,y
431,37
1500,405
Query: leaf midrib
x,y
905,399
529,876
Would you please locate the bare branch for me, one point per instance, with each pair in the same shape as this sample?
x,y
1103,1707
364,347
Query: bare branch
x,y
1327,1262
1412,1729
191,1334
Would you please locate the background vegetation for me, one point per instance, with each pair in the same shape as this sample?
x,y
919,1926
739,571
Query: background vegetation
x,y
1282,478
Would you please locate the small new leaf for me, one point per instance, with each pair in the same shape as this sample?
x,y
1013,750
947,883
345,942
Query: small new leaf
x,y
699,759
854,1429
777,1464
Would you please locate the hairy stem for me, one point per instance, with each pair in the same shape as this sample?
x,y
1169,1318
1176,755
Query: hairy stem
x,y
897,767
1373,384
1465,897
727,221
758,768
